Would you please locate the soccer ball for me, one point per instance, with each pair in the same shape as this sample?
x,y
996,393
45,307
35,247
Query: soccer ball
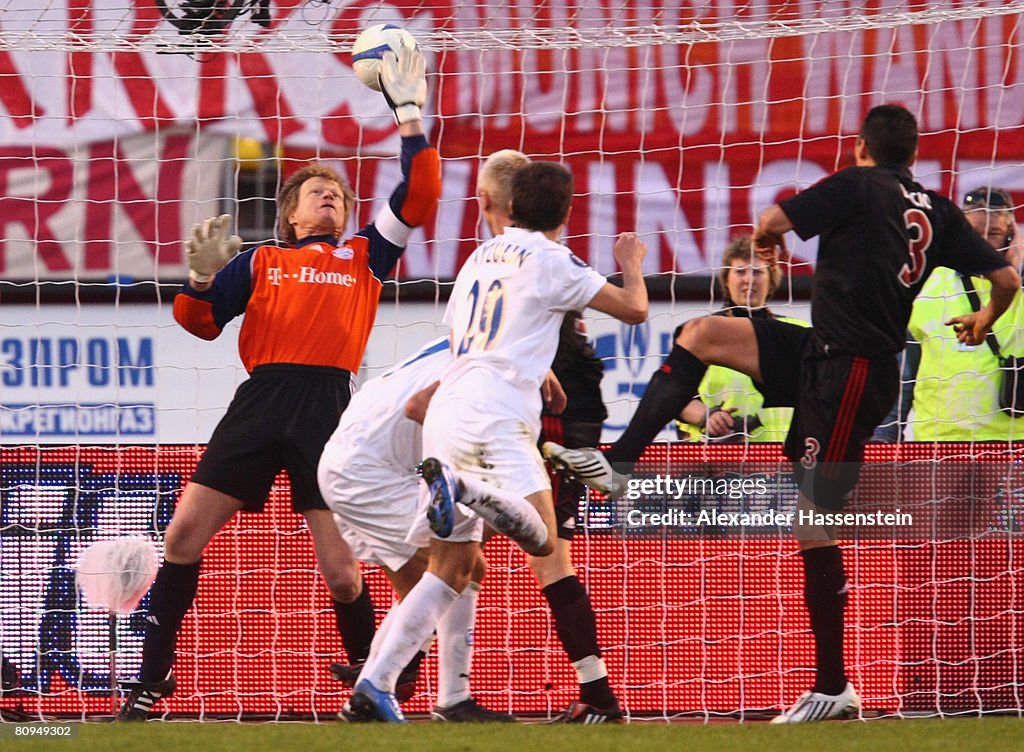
x,y
114,574
371,45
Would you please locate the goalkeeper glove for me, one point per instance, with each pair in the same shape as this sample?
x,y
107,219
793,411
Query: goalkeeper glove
x,y
403,82
210,247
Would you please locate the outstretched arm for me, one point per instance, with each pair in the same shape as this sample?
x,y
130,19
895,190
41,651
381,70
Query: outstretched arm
x,y
403,82
219,281
414,200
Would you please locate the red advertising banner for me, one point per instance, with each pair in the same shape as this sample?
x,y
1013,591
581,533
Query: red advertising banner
x,y
108,208
690,622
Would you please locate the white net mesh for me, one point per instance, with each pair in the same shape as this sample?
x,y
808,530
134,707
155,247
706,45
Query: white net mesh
x,y
122,124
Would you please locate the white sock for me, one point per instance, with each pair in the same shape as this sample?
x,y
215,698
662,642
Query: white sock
x,y
507,513
455,648
379,636
414,619
590,669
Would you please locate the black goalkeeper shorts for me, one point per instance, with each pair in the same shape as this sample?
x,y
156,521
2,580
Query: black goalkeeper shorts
x,y
279,419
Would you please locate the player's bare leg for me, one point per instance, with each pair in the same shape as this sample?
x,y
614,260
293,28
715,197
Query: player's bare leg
x,y
405,578
353,608
338,565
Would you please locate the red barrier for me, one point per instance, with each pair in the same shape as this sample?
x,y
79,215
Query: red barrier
x,y
689,624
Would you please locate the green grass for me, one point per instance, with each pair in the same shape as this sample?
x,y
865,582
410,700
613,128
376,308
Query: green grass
x,y
992,734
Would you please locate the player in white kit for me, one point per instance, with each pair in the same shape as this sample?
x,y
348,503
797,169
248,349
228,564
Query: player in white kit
x,y
367,476
505,313
368,467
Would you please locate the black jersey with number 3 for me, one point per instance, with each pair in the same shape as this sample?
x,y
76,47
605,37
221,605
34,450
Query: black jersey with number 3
x,y
881,236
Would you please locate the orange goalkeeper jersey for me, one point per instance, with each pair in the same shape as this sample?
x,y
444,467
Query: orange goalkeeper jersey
x,y
313,304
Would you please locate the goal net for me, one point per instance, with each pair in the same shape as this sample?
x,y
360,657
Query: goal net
x,y
124,123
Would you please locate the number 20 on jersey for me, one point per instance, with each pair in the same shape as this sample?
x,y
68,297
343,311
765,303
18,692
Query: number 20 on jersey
x,y
484,317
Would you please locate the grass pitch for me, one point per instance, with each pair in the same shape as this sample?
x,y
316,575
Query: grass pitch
x,y
901,736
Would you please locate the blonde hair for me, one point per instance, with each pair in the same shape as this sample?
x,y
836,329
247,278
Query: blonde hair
x,y
740,248
496,174
288,197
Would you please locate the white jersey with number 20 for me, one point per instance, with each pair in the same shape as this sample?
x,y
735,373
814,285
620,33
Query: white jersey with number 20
x,y
508,303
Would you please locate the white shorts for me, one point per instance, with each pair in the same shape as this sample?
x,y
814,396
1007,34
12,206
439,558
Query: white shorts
x,y
478,440
372,504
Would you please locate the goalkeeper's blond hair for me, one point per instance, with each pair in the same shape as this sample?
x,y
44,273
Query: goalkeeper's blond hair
x,y
288,197
496,173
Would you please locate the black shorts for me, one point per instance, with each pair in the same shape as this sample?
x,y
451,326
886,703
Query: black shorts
x,y
279,419
839,400
567,493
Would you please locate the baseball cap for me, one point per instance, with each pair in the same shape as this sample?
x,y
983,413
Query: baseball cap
x,y
987,197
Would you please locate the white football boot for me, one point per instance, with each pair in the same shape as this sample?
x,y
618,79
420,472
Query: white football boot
x,y
588,466
817,706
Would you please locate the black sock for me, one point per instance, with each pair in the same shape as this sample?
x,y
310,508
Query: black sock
x,y
169,599
668,392
356,625
825,597
577,629
598,693
414,664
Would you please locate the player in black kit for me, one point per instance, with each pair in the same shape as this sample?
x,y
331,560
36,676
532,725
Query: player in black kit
x,y
881,235
579,371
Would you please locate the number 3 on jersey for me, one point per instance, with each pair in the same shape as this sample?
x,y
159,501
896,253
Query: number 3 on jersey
x,y
484,318
919,228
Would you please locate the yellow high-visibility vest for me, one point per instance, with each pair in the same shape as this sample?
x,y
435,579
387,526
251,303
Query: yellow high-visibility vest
x,y
956,394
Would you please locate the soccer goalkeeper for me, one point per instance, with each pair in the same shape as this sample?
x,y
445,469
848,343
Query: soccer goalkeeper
x,y
309,305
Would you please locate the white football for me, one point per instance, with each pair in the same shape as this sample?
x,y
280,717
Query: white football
x,y
114,574
371,45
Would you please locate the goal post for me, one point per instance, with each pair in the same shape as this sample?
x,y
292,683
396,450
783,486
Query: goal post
x,y
122,124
